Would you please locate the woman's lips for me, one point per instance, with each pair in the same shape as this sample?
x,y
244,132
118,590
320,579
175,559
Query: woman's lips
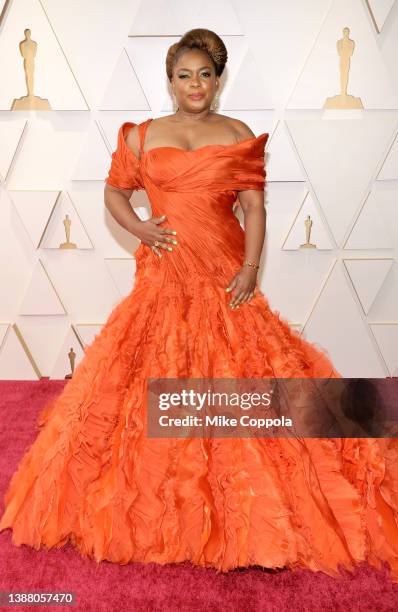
x,y
196,96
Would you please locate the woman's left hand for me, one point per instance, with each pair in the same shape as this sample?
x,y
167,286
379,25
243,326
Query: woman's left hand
x,y
242,285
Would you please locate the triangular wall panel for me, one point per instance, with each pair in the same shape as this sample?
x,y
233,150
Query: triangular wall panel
x,y
163,18
367,276
283,163
347,338
62,366
327,148
368,76
65,215
379,10
387,340
53,77
10,136
35,209
124,91
377,224
389,170
93,163
318,234
16,361
40,297
87,332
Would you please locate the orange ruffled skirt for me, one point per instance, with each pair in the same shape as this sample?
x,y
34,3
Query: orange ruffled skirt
x,y
93,477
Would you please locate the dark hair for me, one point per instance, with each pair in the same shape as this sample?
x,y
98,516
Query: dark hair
x,y
202,39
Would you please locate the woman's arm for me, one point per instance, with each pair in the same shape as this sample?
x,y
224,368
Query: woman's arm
x,y
117,201
252,203
244,281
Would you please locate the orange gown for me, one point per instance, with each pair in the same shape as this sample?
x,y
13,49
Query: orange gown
x,y
93,478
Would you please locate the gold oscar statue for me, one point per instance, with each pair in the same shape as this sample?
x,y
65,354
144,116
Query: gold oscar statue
x,y
308,227
28,48
72,359
67,245
345,49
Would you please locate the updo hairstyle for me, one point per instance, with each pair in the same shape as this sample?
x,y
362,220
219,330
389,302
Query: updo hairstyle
x,y
202,39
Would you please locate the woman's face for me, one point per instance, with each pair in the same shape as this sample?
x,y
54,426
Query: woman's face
x,y
194,81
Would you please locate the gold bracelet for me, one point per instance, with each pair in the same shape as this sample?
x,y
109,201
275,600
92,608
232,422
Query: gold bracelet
x,y
251,263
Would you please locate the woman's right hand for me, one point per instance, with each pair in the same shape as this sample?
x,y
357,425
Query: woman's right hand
x,y
149,232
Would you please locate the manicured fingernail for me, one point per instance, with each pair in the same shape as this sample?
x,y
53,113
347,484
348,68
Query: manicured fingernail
x,y
228,289
174,241
170,248
174,232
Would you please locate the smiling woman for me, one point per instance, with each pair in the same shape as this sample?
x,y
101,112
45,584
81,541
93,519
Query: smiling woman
x,y
95,478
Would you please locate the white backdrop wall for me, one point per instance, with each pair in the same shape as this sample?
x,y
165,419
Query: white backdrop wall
x,y
101,63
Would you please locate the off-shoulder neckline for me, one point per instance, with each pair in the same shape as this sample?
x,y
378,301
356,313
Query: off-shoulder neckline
x,y
222,146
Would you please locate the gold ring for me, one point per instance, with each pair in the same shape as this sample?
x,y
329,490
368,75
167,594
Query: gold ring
x,y
156,243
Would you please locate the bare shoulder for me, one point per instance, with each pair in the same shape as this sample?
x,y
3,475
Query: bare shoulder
x,y
241,129
133,140
164,120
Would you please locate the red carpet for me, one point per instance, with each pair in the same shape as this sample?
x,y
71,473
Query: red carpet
x,y
141,587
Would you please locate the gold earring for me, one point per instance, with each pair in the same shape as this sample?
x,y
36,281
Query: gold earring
x,y
215,102
175,105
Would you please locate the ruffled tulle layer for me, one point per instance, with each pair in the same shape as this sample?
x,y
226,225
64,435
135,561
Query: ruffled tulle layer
x,y
93,478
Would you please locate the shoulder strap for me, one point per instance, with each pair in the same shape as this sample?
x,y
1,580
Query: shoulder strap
x,y
142,127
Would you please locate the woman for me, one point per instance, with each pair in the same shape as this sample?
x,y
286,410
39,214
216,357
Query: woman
x,y
93,476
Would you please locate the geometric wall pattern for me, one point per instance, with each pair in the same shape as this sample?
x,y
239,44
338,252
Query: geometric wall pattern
x,y
332,174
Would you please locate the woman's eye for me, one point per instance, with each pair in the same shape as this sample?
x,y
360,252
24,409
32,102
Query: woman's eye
x,y
182,76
